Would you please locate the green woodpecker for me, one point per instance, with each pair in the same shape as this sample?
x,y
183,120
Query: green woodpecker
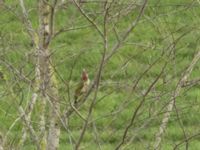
x,y
82,87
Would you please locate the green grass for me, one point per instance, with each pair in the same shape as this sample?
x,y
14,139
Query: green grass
x,y
82,48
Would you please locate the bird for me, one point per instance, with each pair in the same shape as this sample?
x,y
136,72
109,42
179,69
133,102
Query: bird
x,y
82,86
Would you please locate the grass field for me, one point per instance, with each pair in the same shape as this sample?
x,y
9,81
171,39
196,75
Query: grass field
x,y
170,27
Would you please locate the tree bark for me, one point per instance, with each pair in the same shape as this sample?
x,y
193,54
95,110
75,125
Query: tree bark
x,y
47,80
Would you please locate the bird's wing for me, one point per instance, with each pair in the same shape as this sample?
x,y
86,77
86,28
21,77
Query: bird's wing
x,y
78,90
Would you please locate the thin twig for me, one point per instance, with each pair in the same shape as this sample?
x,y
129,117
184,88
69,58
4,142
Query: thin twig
x,y
186,140
97,80
126,34
88,18
135,112
170,106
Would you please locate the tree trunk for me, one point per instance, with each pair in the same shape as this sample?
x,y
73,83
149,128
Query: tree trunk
x,y
47,81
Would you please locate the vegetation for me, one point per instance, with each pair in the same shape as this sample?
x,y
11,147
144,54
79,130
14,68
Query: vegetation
x,y
153,57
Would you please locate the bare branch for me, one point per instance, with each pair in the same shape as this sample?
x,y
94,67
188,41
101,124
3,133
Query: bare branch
x,y
97,79
28,112
27,22
191,82
70,29
88,18
170,106
29,127
126,34
185,140
138,108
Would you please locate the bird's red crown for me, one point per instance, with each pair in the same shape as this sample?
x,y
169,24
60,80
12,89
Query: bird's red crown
x,y
84,75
